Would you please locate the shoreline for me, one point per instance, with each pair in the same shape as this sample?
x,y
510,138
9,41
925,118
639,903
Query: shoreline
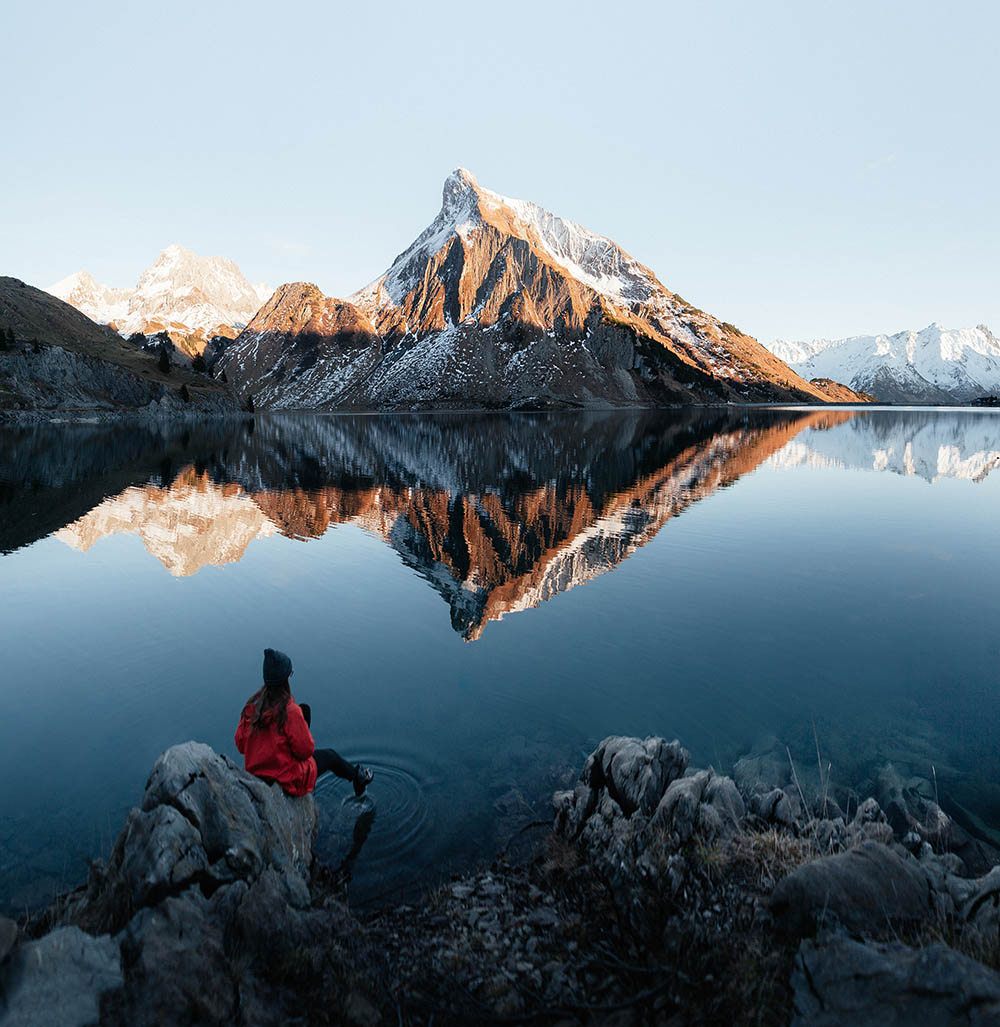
x,y
659,891
172,413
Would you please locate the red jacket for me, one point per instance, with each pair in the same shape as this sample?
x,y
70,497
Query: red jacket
x,y
282,754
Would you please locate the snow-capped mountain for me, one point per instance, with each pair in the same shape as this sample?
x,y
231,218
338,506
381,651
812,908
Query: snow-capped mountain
x,y
99,302
936,365
499,303
190,297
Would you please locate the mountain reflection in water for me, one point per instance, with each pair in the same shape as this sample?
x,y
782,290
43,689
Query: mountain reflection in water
x,y
497,513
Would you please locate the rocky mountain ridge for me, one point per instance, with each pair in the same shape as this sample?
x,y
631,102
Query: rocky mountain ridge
x,y
499,303
937,365
189,297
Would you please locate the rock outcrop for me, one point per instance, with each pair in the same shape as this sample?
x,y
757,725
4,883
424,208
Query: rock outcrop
x,y
865,889
210,874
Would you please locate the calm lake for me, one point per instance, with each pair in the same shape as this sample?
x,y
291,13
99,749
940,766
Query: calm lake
x,y
472,602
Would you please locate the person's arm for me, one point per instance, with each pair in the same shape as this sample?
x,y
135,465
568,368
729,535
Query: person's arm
x,y
242,733
300,739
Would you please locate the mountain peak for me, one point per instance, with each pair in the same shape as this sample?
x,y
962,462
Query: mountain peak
x,y
64,286
460,195
176,250
463,178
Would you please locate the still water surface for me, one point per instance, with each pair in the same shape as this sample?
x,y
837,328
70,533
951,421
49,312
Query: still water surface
x,y
472,602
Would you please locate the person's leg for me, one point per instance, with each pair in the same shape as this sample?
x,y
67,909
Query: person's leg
x,y
330,759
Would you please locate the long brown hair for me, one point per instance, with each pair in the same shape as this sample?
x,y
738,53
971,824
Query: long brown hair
x,y
271,699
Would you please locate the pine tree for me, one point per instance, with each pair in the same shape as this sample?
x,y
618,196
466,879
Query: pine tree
x,y
249,406
185,395
224,379
164,361
198,364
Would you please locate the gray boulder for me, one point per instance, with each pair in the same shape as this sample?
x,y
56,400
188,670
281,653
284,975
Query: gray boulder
x,y
635,773
865,889
59,979
178,972
704,802
162,853
775,807
981,905
840,981
204,820
677,811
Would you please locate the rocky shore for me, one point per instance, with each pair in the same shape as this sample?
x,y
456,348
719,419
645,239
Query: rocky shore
x,y
661,894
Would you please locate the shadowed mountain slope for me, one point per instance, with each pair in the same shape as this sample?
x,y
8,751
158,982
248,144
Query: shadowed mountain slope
x,y
63,360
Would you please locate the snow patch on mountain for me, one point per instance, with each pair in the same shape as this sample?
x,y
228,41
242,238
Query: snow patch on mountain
x,y
592,259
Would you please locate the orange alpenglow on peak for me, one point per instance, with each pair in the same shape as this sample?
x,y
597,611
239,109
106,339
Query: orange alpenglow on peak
x,y
499,303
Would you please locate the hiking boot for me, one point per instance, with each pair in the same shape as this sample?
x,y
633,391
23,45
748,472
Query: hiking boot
x,y
362,778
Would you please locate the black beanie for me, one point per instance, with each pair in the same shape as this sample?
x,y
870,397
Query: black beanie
x,y
277,667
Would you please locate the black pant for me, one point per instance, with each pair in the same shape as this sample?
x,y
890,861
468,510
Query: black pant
x,y
328,759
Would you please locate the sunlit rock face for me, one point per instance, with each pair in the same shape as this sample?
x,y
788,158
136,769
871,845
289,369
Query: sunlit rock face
x,y
186,526
927,446
499,303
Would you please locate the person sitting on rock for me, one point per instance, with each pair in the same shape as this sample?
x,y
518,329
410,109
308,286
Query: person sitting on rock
x,y
274,737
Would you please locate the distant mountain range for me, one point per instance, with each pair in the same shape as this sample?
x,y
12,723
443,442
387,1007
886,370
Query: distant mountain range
x,y
498,303
937,365
189,297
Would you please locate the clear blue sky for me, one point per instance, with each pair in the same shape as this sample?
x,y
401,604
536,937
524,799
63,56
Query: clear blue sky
x,y
799,169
